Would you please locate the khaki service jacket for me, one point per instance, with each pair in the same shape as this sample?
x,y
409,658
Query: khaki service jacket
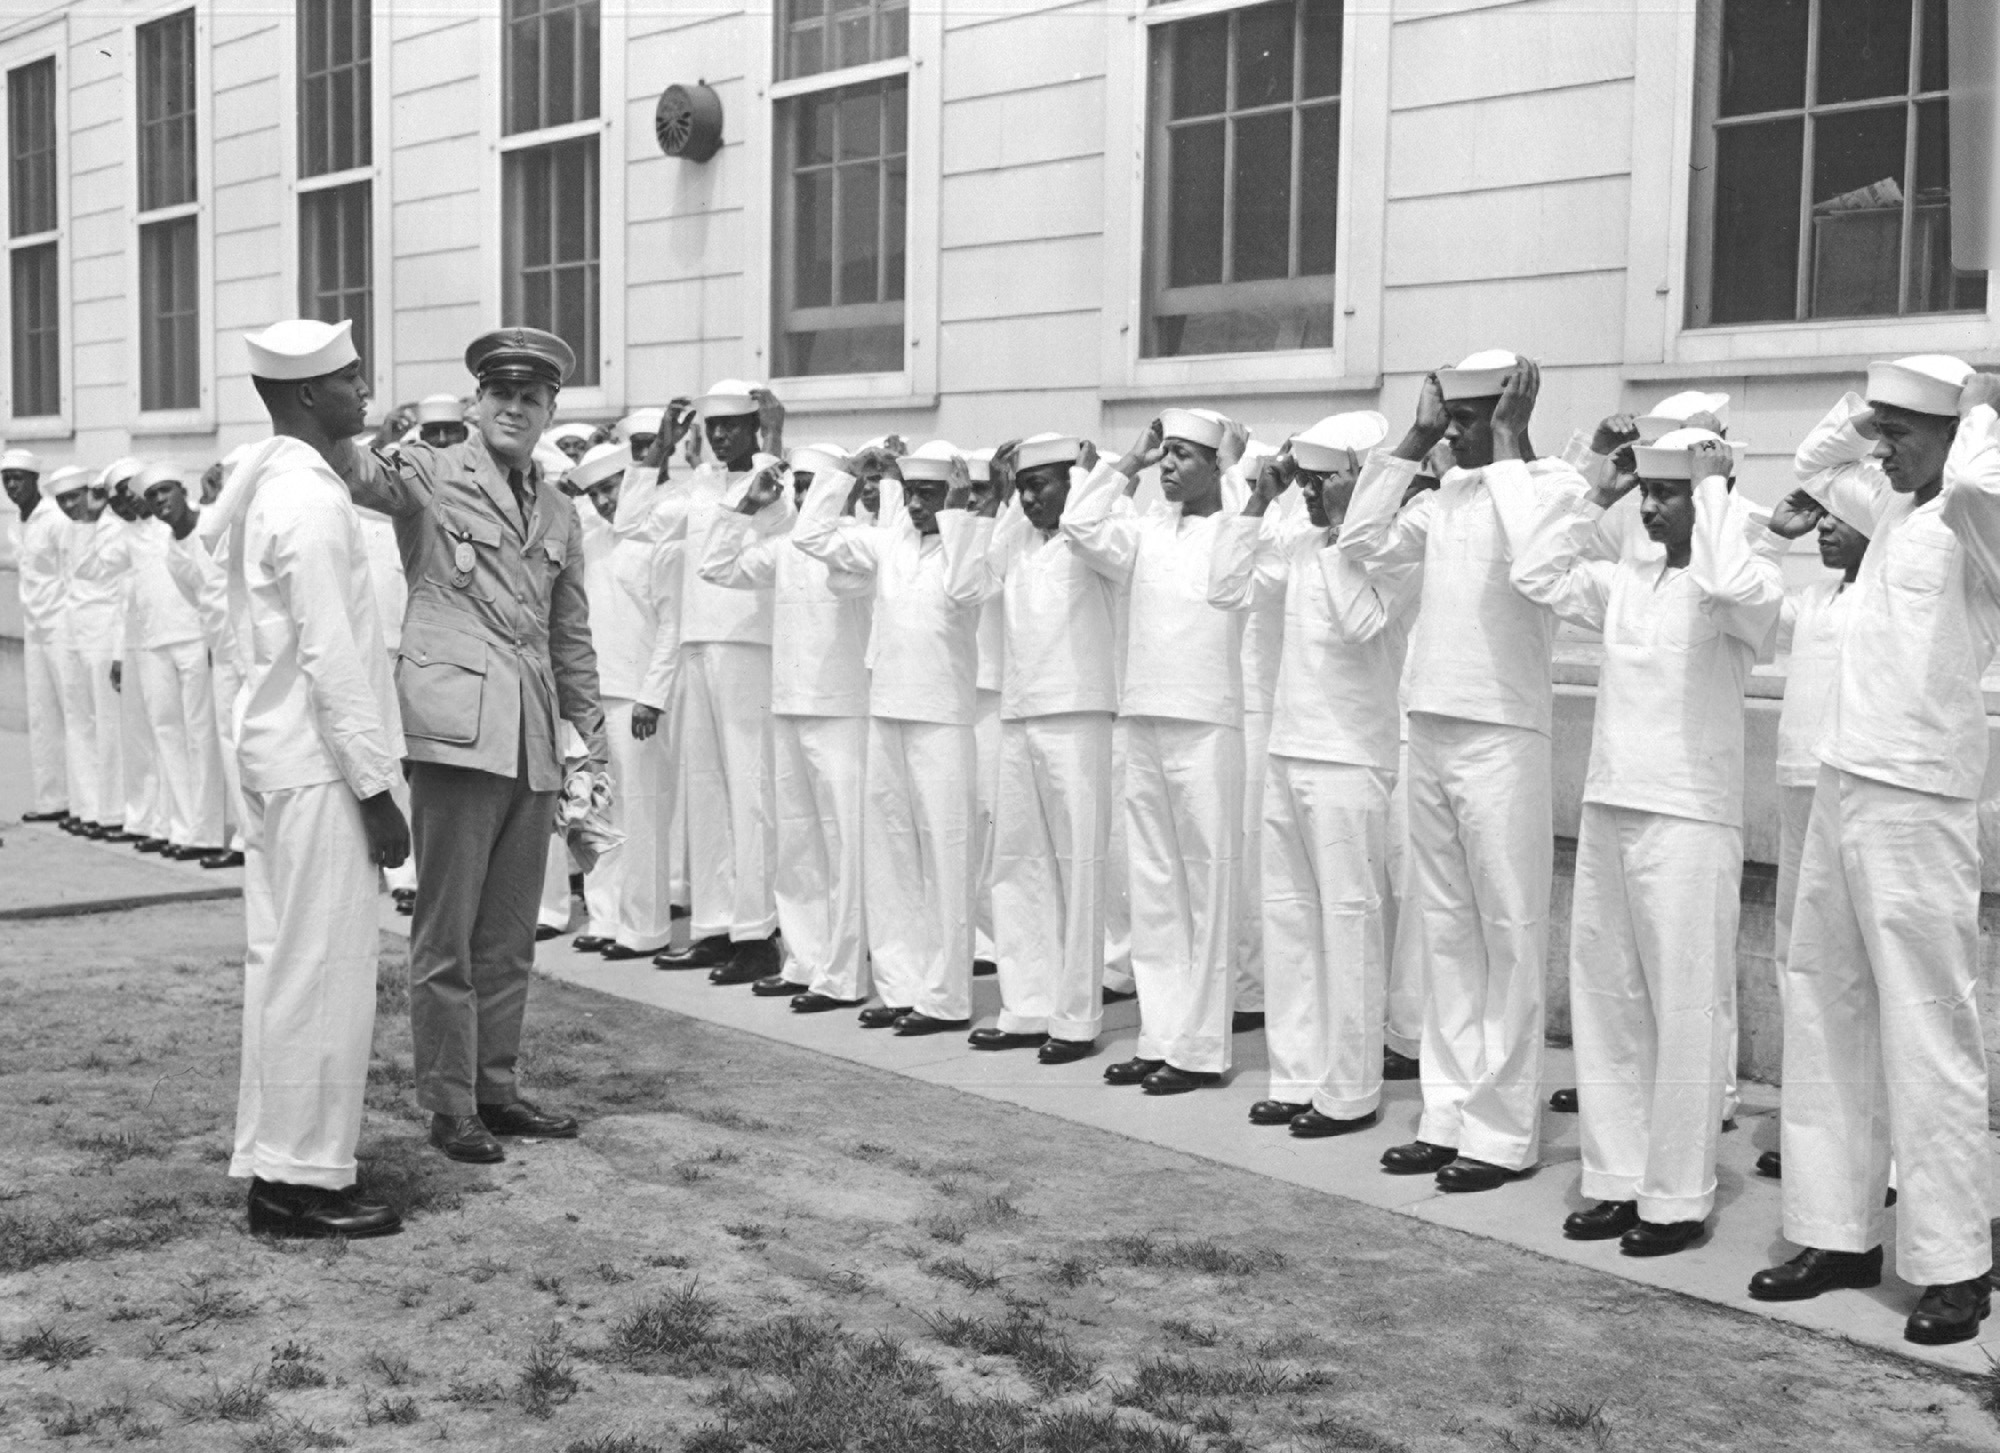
x,y
496,639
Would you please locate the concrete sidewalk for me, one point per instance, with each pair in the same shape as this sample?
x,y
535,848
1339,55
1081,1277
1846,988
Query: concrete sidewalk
x,y
1745,1231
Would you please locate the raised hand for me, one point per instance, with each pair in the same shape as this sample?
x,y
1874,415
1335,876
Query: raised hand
x,y
1613,433
1711,459
958,488
1086,455
1235,439
1145,452
1516,407
1274,477
1981,388
770,420
766,487
1797,514
1428,429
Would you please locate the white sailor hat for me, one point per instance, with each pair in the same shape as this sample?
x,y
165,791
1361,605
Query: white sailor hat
x,y
729,398
1667,457
119,470
1673,413
1039,449
932,461
301,348
154,474
818,459
556,465
440,409
1329,444
1928,383
67,480
1196,426
571,430
598,464
1479,376
20,459
643,421
979,465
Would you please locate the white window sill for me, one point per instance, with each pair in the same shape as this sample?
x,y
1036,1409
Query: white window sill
x,y
1834,345
1240,388
41,426
173,421
854,403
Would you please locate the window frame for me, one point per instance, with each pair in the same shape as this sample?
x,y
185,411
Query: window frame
x,y
610,126
1660,345
46,41
1353,362
382,312
200,416
915,385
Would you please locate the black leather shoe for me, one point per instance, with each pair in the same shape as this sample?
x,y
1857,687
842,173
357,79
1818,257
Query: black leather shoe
x,y
405,898
1277,1112
466,1138
1602,1221
524,1117
71,824
1119,996
1466,1174
1132,1071
1399,1066
1066,1051
703,953
1814,1271
1771,1164
777,986
618,953
278,1208
1244,1021
1002,1039
1169,1080
1950,1312
119,835
150,845
984,968
185,853
881,1016
590,943
811,1003
1418,1158
749,961
1661,1238
59,815
234,859
543,933
1311,1125
914,1024
1563,1102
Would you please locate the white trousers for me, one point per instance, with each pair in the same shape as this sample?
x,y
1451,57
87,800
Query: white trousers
x,y
93,737
1404,1032
308,986
726,735
1118,875
1326,881
821,764
1249,945
1482,847
1054,808
180,705
1794,815
629,892
47,757
226,684
1883,1048
986,743
146,813
1651,962
1184,815
920,852
557,902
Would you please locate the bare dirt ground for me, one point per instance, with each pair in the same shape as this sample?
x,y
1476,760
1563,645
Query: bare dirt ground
x,y
757,1248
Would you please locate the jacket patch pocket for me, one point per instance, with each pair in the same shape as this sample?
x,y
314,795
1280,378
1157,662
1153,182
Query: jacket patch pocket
x,y
440,675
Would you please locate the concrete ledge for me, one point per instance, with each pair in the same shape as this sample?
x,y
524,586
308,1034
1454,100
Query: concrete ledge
x,y
116,905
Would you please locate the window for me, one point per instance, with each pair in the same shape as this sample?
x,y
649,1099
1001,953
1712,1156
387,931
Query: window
x,y
336,140
169,265
1822,163
549,183
842,180
1242,180
34,286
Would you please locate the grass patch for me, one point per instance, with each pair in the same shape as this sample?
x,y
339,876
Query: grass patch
x,y
49,1347
940,1226
612,1443
395,1411
1201,1255
288,1435
1339,1434
548,1380
957,1269
1169,1387
679,1325
1045,1356
1195,1334
244,1401
295,1365
393,1369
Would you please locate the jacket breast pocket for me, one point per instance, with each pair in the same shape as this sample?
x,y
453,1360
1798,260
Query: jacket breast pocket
x,y
440,675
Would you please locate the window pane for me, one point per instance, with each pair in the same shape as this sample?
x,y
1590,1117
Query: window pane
x,y
1322,58
1194,204
1763,56
853,31
31,192
1264,55
1864,49
806,57
1261,185
1857,212
559,63
313,22
816,128
37,370
166,112
169,352
524,76
1319,188
860,124
1935,73
894,222
551,246
826,35
1201,66
587,43
1934,286
1756,257
860,199
812,240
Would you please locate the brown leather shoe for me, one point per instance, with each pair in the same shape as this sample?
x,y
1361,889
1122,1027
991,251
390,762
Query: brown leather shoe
x,y
466,1138
524,1117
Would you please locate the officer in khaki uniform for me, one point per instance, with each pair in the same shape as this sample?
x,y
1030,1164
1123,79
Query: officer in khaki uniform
x,y
496,646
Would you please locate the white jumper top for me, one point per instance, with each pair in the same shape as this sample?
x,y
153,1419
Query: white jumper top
x,y
1060,612
1811,628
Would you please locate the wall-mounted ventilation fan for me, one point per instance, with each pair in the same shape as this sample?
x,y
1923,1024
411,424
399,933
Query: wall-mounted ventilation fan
x,y
688,122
